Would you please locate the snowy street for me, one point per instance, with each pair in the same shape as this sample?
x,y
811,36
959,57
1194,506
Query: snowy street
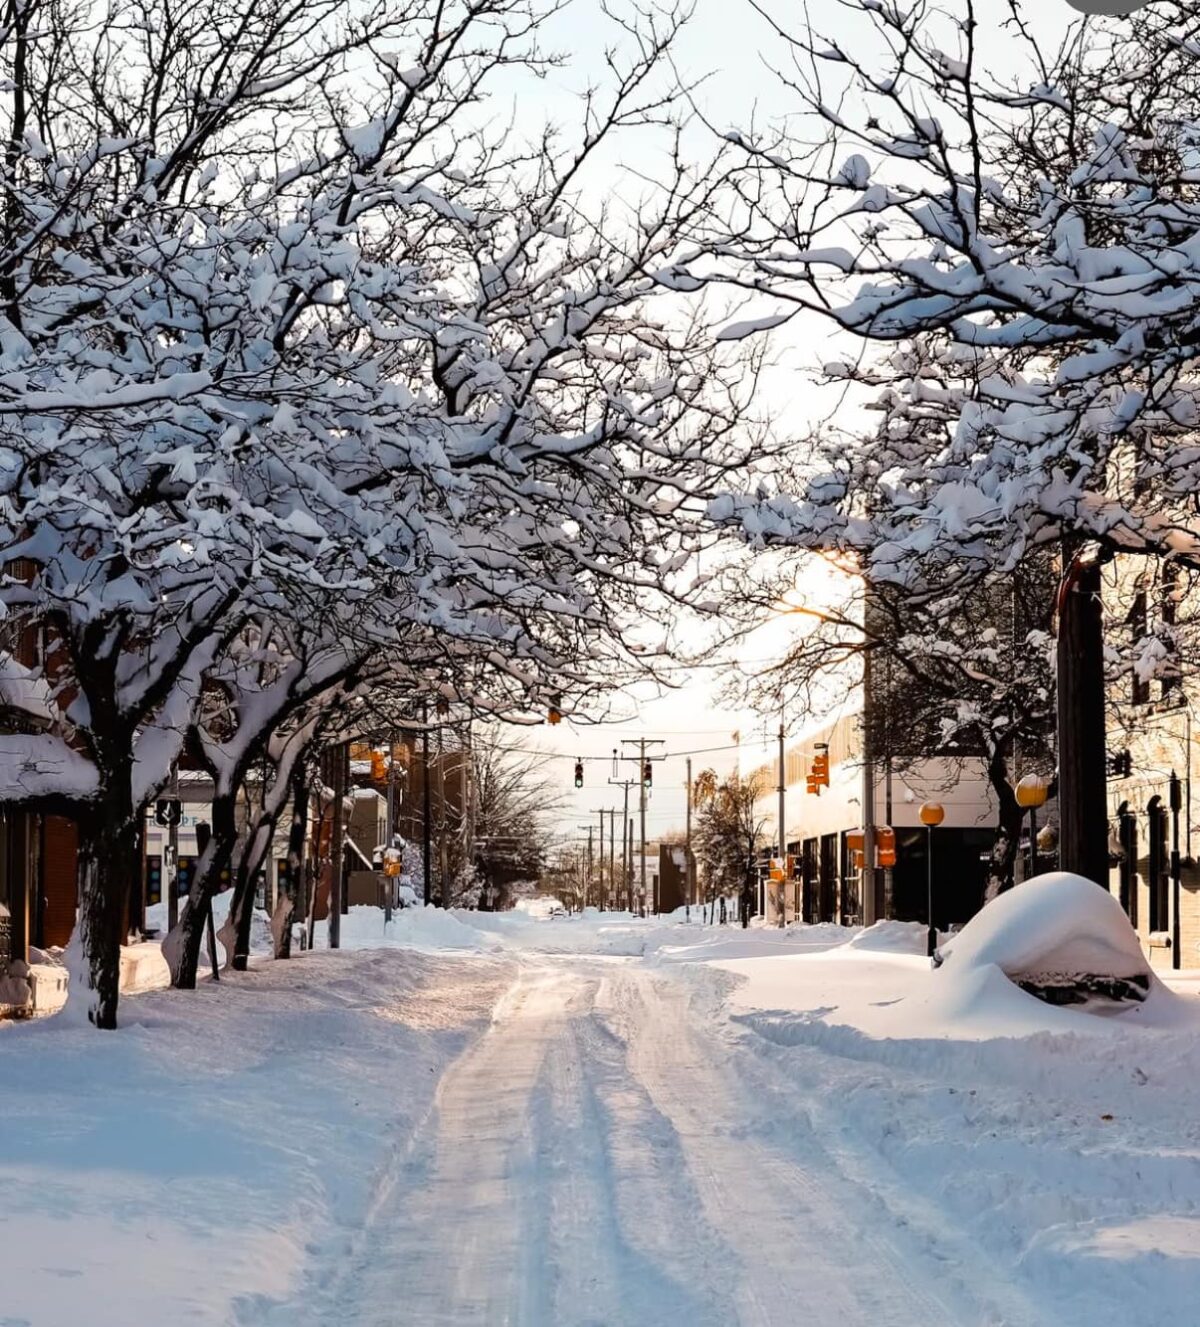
x,y
600,1122
596,1157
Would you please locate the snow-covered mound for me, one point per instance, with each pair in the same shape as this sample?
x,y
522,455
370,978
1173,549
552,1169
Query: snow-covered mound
x,y
891,938
1054,935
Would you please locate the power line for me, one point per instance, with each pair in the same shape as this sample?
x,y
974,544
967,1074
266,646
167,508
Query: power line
x,y
667,755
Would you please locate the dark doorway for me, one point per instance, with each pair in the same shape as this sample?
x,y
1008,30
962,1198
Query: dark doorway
x,y
1158,867
829,877
1127,834
808,874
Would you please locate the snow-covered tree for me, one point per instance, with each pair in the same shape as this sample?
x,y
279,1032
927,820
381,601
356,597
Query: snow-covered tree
x,y
727,834
961,678
516,801
293,331
1010,259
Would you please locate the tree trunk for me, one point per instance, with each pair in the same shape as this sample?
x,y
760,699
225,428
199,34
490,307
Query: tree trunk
x,y
250,861
340,756
285,908
182,947
1002,860
1082,791
241,912
107,860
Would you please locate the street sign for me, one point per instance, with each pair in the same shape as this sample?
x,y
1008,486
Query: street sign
x,y
168,811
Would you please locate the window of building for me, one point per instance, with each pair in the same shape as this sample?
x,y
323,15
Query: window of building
x,y
1138,613
1169,584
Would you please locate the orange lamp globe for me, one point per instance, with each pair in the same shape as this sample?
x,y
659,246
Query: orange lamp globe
x,y
1031,792
932,813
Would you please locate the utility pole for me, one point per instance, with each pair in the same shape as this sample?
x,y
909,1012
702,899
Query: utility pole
x,y
600,866
781,884
644,767
337,842
870,913
612,852
443,859
587,878
626,831
390,836
1082,804
171,877
687,850
471,807
602,812
1176,802
427,819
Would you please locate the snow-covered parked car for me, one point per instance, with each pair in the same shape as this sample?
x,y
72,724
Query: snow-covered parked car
x,y
1060,937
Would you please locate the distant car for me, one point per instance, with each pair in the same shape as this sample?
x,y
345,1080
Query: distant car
x,y
557,910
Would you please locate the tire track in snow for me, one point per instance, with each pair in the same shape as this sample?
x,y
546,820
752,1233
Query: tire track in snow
x,y
803,1237
638,1250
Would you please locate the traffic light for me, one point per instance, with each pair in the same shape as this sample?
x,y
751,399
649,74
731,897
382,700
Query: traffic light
x,y
885,843
555,714
378,767
579,774
153,878
648,775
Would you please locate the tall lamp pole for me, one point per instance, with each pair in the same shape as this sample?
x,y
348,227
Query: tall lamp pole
x,y
932,813
1176,871
1031,793
781,884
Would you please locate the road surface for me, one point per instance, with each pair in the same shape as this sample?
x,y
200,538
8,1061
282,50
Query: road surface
x,y
607,1152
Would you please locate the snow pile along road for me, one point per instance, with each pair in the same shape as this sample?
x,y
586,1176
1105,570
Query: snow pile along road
x,y
182,1169
1062,1142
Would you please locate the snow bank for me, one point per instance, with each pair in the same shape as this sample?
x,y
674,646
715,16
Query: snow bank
x,y
878,984
426,930
892,938
181,1169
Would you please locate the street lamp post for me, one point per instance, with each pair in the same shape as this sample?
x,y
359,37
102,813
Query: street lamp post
x,y
1176,870
1031,793
932,813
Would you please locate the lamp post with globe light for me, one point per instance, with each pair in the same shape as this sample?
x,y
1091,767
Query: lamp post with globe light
x,y
932,813
1031,793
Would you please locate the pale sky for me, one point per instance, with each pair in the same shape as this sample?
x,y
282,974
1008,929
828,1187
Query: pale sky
x,y
734,45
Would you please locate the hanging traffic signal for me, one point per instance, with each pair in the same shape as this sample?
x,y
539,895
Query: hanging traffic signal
x,y
555,714
885,844
153,879
647,775
579,774
378,767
